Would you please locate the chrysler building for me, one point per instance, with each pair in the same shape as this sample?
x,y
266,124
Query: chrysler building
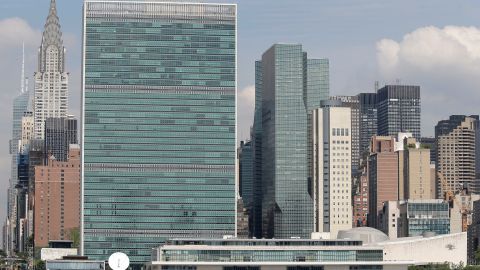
x,y
51,80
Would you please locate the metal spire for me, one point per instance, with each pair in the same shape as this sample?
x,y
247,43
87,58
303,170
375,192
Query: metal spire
x,y
23,69
52,35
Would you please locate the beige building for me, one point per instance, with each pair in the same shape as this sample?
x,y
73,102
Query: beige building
x,y
415,181
57,199
27,131
332,177
456,153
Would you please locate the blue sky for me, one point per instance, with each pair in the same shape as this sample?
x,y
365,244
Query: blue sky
x,y
365,40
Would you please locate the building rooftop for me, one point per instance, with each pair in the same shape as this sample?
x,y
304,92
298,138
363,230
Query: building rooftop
x,y
365,234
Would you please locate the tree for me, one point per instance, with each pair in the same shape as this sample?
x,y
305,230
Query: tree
x,y
74,235
40,265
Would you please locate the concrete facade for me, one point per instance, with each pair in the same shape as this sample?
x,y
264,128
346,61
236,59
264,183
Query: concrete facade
x,y
415,162
456,147
332,140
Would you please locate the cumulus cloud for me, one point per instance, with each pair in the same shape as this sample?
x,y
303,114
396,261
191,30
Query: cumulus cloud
x,y
445,62
246,107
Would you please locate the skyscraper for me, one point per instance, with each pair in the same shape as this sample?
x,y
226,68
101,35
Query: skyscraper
x,y
382,176
290,86
60,133
20,106
256,138
332,178
51,80
398,110
245,160
159,134
353,103
57,199
456,146
414,162
367,119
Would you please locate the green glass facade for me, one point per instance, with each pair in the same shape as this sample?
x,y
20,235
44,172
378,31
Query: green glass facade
x,y
290,86
159,125
428,217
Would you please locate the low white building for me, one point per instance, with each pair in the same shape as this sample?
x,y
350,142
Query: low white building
x,y
422,250
451,248
270,254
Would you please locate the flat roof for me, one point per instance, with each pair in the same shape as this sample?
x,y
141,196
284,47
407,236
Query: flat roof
x,y
284,263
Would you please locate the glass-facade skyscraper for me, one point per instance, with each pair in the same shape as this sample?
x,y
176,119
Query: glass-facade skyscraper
x,y
398,108
60,133
291,86
159,124
367,120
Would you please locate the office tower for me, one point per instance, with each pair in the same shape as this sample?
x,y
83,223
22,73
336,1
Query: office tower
x,y
477,153
291,86
159,134
246,183
242,220
256,137
57,199
245,159
461,210
456,152
430,143
27,131
60,133
20,106
409,218
360,200
367,120
413,166
332,177
51,80
353,103
382,176
398,110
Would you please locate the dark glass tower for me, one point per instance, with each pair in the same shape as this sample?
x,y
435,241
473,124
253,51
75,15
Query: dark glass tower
x,y
290,85
59,134
399,110
159,134
368,120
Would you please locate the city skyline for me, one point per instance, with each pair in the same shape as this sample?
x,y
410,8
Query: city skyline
x,y
30,29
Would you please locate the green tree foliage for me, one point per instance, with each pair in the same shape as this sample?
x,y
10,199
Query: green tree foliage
x,y
74,235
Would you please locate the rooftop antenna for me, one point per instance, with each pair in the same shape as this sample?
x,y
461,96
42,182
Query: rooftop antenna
x,y
23,68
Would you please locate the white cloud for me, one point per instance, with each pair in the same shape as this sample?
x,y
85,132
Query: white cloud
x,y
445,62
246,107
14,31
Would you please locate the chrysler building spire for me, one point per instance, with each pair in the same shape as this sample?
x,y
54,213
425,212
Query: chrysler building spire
x,y
52,36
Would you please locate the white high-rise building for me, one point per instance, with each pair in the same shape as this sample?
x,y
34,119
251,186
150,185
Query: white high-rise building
x,y
51,80
332,152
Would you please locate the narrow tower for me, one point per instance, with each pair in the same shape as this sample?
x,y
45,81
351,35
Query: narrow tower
x,y
51,80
